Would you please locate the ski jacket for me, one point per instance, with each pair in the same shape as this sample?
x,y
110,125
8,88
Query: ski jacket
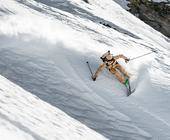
x,y
109,61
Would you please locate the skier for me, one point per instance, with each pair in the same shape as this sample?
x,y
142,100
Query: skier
x,y
110,62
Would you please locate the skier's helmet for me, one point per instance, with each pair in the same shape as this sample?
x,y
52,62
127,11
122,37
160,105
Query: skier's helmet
x,y
106,56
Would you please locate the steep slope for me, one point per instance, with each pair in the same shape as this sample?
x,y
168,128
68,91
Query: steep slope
x,y
44,47
24,116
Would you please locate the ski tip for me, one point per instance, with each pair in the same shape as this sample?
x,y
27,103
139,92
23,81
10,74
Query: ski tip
x,y
130,92
94,79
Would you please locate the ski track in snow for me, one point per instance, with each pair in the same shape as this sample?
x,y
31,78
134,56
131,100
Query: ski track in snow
x,y
53,67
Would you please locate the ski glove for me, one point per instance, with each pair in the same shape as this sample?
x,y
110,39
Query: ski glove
x,y
127,60
94,78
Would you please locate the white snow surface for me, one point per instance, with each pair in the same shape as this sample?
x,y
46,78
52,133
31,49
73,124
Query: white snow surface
x,y
24,116
44,46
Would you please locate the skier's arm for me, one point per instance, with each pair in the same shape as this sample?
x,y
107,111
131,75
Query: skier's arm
x,y
121,56
100,68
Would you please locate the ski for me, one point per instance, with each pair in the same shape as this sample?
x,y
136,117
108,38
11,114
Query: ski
x,y
90,69
130,91
128,86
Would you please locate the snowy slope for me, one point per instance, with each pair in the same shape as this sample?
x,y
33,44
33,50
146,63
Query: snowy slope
x,y
44,45
123,3
24,116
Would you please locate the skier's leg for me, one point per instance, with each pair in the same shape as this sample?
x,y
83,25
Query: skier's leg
x,y
122,70
118,75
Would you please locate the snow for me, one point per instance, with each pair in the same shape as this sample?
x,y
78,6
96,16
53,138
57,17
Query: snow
x,y
24,116
123,3
44,46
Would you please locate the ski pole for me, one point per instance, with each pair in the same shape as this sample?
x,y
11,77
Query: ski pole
x,y
142,55
89,68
